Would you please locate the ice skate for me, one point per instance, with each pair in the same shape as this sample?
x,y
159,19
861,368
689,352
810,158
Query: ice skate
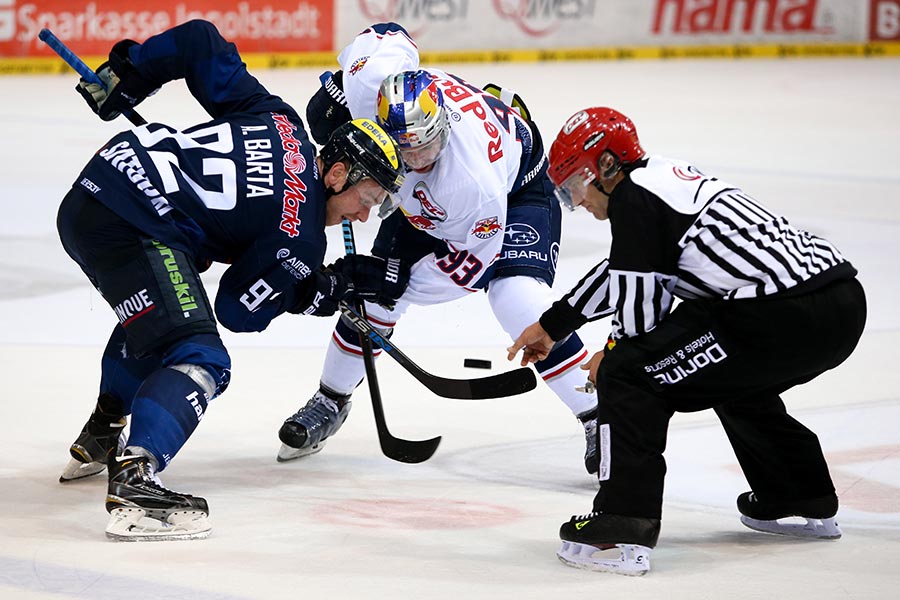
x,y
305,432
785,518
610,543
591,460
101,436
141,509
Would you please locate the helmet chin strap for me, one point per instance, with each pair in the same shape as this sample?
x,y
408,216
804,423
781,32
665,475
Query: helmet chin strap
x,y
615,165
331,191
599,187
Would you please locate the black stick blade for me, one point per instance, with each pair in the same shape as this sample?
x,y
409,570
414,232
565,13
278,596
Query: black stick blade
x,y
409,451
509,383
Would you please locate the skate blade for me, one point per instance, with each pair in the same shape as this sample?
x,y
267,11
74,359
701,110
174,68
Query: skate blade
x,y
822,529
79,470
286,453
623,559
130,524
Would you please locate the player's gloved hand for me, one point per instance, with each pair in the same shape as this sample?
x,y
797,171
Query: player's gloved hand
x,y
322,294
327,109
124,88
374,279
94,93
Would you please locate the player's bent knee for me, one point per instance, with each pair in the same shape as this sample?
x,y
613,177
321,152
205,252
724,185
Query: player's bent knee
x,y
201,376
204,359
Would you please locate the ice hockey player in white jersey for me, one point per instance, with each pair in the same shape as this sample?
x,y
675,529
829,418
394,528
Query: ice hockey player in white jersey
x,y
477,212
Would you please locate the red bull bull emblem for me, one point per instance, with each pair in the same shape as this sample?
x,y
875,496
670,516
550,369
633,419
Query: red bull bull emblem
x,y
487,228
357,65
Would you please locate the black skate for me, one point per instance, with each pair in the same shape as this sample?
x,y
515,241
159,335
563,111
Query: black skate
x,y
818,513
103,435
605,542
141,509
591,460
305,431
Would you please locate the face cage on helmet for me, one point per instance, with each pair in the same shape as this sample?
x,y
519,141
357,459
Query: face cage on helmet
x,y
420,157
572,191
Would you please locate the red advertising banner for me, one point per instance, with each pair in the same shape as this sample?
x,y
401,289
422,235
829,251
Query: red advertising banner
x,y
884,20
753,17
90,28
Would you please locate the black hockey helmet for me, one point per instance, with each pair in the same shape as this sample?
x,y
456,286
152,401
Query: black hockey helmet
x,y
369,151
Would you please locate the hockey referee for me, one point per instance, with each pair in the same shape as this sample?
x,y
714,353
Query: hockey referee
x,y
764,307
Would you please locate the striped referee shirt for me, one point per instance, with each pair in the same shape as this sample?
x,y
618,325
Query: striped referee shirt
x,y
678,233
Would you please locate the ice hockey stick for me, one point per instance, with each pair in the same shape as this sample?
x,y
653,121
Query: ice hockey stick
x,y
82,69
408,451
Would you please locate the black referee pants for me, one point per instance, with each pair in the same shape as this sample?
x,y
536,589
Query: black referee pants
x,y
735,357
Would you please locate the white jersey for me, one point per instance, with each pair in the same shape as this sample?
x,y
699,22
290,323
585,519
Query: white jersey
x,y
463,199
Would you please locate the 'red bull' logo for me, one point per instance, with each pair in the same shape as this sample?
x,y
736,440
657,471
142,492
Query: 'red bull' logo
x,y
487,228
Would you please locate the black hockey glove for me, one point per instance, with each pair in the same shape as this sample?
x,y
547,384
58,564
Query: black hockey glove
x,y
327,109
374,279
323,293
124,88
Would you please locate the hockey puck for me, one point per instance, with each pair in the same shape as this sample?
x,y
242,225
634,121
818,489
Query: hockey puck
x,y
477,363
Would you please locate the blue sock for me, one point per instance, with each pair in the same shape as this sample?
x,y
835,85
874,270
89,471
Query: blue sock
x,y
166,410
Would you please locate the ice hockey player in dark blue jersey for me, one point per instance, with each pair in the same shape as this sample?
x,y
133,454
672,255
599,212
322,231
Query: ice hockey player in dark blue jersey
x,y
154,207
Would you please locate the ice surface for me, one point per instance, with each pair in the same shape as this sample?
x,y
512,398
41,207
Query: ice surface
x,y
814,139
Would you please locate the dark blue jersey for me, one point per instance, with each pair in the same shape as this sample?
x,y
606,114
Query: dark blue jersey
x,y
242,188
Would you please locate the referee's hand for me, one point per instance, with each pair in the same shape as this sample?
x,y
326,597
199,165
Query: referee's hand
x,y
535,344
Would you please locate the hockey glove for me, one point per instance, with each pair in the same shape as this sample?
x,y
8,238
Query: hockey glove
x,y
374,279
323,293
124,88
327,109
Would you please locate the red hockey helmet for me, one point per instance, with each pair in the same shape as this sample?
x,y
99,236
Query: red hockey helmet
x,y
575,154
